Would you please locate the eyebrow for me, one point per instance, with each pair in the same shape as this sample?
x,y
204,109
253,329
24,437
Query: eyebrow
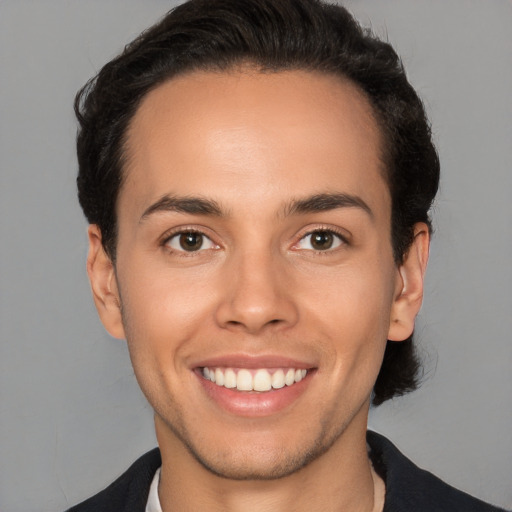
x,y
325,202
202,206
191,205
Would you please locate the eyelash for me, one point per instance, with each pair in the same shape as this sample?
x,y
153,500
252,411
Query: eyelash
x,y
324,229
194,231
184,231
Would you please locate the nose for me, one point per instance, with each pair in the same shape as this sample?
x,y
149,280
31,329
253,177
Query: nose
x,y
257,295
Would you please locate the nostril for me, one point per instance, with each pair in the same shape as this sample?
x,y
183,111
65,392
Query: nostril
x,y
253,313
238,323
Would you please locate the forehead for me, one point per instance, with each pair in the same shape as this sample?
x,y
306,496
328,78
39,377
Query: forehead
x,y
252,134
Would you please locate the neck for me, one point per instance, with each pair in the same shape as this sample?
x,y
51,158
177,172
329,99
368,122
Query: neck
x,y
342,478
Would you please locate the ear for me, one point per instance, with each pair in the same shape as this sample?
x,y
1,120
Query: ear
x,y
409,285
101,272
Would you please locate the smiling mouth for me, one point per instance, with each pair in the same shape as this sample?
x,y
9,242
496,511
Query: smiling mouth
x,y
261,380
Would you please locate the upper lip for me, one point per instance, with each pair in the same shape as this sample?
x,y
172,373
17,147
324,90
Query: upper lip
x,y
253,362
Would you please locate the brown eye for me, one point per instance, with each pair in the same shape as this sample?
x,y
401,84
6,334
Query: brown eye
x,y
321,240
189,241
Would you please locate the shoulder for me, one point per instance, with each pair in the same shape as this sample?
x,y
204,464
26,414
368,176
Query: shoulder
x,y
410,488
129,492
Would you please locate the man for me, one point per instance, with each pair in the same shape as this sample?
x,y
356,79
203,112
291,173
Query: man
x,y
257,176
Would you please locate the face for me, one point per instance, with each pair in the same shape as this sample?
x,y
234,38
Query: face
x,y
254,272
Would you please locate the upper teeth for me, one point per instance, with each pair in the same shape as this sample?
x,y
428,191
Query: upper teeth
x,y
254,380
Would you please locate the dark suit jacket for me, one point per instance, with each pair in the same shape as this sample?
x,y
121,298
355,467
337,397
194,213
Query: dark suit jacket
x,y
408,488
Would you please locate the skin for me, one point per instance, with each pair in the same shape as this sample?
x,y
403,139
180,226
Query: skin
x,y
253,144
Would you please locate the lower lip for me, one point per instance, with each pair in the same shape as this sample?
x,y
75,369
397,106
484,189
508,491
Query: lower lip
x,y
254,403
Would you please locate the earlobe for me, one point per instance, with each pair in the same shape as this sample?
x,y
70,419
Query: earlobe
x,y
409,285
101,272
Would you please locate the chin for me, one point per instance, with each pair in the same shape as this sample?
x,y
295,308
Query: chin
x,y
258,466
271,462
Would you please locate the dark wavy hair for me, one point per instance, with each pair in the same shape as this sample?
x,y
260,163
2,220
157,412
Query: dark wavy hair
x,y
273,36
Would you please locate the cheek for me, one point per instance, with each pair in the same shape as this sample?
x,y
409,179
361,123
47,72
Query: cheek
x,y
356,298
159,295
349,311
162,309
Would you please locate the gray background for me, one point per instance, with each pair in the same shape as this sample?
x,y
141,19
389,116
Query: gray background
x,y
71,415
